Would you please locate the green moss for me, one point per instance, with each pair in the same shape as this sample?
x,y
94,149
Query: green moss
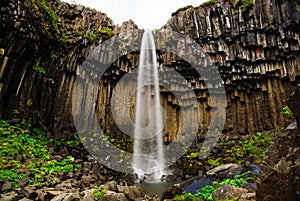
x,y
251,147
26,143
206,192
48,17
245,5
214,162
39,70
288,112
208,3
99,192
181,9
106,32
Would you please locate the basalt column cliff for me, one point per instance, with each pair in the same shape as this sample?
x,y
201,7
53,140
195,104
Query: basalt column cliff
x,y
255,47
42,43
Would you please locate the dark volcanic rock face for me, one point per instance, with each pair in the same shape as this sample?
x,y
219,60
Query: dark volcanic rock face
x,y
41,47
280,175
256,51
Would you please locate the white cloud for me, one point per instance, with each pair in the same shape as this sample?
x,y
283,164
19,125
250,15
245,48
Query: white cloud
x,y
146,14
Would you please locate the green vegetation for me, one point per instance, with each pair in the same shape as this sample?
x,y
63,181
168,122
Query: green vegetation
x,y
206,192
51,168
255,146
244,5
51,80
251,147
39,70
48,16
24,153
288,112
208,3
214,162
75,141
181,9
54,55
45,13
99,192
121,141
186,196
106,31
29,102
193,155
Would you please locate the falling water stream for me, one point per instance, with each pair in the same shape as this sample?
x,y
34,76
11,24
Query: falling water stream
x,y
148,160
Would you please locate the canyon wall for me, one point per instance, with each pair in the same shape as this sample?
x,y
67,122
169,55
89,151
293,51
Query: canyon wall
x,y
42,43
256,50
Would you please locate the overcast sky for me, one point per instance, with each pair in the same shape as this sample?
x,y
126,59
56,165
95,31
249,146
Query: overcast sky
x,y
150,14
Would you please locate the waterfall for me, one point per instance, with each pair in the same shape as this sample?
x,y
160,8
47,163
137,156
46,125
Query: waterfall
x,y
148,159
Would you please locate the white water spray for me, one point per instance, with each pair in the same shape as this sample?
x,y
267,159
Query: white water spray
x,y
148,159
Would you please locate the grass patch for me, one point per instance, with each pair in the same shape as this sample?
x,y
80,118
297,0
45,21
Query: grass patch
x,y
181,9
99,192
255,146
230,151
288,112
24,153
48,17
244,5
208,3
206,192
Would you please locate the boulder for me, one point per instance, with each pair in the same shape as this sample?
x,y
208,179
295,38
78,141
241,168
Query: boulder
x,y
29,192
228,192
6,186
23,182
225,171
87,195
113,197
26,199
87,180
12,196
131,192
59,197
171,192
248,197
73,197
111,185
